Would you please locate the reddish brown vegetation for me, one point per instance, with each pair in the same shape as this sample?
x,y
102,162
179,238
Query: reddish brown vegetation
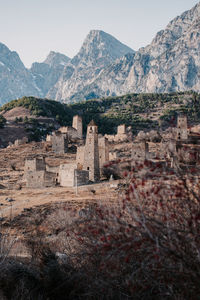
x,y
146,246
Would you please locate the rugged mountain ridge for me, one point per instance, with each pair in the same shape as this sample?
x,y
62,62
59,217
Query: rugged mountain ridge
x,y
98,51
105,67
59,77
47,73
170,63
15,79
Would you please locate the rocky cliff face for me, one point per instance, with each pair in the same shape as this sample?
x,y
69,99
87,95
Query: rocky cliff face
x,y
98,51
170,63
46,74
15,79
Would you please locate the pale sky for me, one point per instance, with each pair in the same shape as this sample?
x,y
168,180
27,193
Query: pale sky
x,y
35,27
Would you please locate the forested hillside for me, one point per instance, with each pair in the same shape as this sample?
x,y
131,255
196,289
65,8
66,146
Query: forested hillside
x,y
141,111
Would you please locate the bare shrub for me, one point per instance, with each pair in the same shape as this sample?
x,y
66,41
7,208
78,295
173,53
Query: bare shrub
x,y
147,246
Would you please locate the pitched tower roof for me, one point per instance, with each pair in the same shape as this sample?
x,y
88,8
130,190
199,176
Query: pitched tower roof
x,y
92,123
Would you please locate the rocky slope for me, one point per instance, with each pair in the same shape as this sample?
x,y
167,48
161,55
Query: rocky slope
x,y
15,79
47,73
170,63
97,52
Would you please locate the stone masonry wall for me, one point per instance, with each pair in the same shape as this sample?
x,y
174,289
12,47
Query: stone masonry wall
x,y
81,177
91,154
35,179
59,143
80,156
121,129
103,152
140,151
35,164
182,130
78,125
66,175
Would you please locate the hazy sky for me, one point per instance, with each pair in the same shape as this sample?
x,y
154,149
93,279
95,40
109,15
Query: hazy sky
x,y
35,27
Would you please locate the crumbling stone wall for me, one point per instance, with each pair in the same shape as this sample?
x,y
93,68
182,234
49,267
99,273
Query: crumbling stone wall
x,y
140,151
75,131
36,175
122,135
22,141
69,131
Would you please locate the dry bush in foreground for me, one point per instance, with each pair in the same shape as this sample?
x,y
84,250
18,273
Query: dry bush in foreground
x,y
146,246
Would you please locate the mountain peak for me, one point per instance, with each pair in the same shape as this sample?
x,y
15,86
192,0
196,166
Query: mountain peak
x,y
100,46
56,58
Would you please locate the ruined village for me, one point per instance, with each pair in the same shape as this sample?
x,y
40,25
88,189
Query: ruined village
x,y
80,167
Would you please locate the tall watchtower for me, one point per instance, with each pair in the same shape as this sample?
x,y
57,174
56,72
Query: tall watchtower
x,y
78,125
182,129
91,154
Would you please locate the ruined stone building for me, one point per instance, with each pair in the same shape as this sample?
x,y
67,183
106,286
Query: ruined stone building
x,y
70,176
140,151
91,152
60,138
59,142
75,131
123,134
36,175
22,141
70,132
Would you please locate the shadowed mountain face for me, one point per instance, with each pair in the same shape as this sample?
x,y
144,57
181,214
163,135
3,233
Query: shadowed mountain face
x,y
106,67
15,79
46,74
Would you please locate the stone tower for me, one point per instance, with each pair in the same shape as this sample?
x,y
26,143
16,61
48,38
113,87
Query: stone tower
x,y
59,142
103,152
182,130
78,125
91,154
